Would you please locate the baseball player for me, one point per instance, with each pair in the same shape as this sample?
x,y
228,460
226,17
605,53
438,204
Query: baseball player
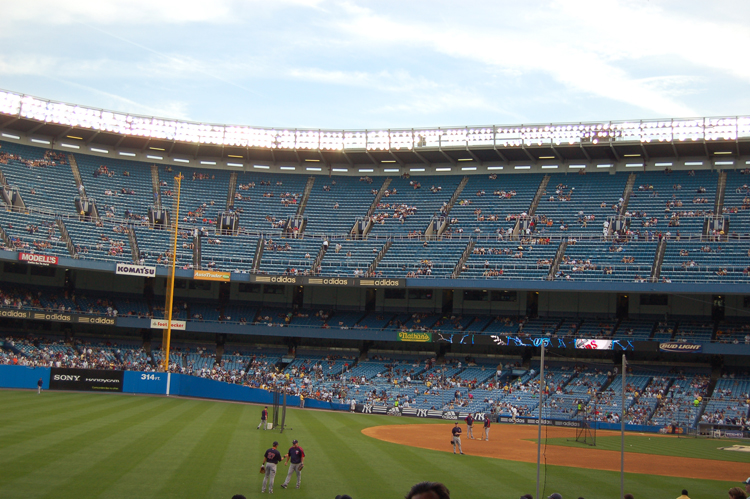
x,y
39,385
470,426
270,459
486,428
456,431
263,418
297,456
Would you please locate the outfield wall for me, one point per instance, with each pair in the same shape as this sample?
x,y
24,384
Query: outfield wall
x,y
150,383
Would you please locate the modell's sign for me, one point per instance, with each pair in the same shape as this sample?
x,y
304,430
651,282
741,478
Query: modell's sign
x,y
140,270
680,347
211,275
163,323
36,259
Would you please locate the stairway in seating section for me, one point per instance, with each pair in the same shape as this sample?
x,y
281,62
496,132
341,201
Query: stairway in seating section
x,y
155,186
380,255
461,261
135,252
538,196
232,190
305,196
77,176
558,258
658,260
65,237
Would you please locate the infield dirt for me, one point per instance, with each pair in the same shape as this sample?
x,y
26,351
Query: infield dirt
x,y
517,443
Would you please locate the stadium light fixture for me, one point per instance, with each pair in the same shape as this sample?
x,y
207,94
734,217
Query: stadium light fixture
x,y
181,160
465,159
578,167
522,167
74,137
287,168
366,170
546,157
494,167
234,156
724,163
102,151
633,165
312,160
468,168
694,163
72,146
391,170
722,152
605,165
238,165
662,164
313,169
129,154
387,160
342,170
11,136
631,155
151,156
262,167
156,148
40,141
549,167
416,169
208,162
444,169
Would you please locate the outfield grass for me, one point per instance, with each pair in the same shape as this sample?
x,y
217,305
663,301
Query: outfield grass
x,y
703,448
75,445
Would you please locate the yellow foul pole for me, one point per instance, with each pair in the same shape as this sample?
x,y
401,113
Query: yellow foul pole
x,y
170,279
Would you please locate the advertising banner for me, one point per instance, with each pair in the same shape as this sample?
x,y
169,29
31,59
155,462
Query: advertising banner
x,y
680,347
85,380
594,344
163,323
329,281
211,275
137,270
417,337
37,259
56,317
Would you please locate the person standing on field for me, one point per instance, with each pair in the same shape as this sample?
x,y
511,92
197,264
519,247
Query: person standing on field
x,y
456,432
297,456
263,418
270,459
39,386
486,428
470,426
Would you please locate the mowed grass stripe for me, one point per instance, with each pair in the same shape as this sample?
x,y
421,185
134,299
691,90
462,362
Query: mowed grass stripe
x,y
181,438
29,456
200,467
30,403
238,470
60,416
118,454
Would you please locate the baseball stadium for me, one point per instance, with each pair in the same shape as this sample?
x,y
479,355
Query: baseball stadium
x,y
196,302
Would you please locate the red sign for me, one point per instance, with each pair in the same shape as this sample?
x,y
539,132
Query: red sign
x,y
36,259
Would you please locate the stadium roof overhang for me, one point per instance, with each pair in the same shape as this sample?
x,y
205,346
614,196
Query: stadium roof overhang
x,y
565,143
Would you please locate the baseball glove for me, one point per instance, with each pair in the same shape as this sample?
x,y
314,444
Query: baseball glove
x,y
263,470
301,466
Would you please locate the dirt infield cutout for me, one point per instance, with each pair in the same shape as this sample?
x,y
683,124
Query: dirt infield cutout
x,y
514,443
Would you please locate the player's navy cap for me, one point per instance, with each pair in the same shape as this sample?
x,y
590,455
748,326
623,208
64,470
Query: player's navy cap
x,y
294,442
555,496
276,443
746,482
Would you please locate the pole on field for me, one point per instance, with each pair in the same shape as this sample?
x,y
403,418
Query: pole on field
x,y
539,421
622,432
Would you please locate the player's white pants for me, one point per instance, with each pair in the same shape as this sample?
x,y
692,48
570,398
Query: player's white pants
x,y
457,442
269,478
292,469
486,433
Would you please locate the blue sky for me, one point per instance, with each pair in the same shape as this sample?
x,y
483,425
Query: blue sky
x,y
380,64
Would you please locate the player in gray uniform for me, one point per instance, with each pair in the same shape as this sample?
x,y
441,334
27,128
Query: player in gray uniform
x,y
270,459
297,456
456,431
